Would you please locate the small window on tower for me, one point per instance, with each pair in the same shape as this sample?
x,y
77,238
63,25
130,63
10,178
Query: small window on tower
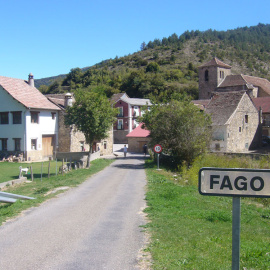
x,y
206,77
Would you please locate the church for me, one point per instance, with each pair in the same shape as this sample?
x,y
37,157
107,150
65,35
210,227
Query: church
x,y
216,76
235,105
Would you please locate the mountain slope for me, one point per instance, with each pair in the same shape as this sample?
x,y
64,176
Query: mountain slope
x,y
168,66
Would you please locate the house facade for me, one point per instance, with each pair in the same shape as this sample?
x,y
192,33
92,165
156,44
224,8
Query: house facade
x,y
137,139
235,122
28,121
127,119
72,140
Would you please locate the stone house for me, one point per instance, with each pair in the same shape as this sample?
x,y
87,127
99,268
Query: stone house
x,y
235,122
71,140
137,138
263,106
28,120
216,76
127,119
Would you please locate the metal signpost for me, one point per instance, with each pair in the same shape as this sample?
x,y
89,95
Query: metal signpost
x,y
236,183
158,150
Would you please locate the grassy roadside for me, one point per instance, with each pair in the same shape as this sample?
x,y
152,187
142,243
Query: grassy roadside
x,y
39,189
191,231
10,170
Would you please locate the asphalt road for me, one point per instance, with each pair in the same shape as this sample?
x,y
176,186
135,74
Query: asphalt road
x,y
94,226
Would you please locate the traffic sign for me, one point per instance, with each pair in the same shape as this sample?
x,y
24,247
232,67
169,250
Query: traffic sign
x,y
158,148
234,182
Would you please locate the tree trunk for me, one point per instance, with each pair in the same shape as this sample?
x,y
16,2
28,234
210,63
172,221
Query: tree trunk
x,y
89,156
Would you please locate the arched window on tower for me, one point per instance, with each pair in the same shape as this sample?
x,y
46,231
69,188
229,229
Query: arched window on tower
x,y
206,77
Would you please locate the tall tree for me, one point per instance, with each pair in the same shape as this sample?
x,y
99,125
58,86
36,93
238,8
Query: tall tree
x,y
180,127
92,114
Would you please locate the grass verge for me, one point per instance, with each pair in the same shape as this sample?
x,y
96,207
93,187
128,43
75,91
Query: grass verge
x,y
39,189
191,231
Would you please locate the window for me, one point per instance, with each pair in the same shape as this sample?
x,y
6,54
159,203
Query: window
x,y
105,145
4,118
136,123
206,77
17,143
246,118
53,115
136,111
34,144
121,112
34,117
82,146
120,124
240,129
17,117
221,74
4,144
217,147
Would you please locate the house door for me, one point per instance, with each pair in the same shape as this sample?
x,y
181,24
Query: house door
x,y
47,145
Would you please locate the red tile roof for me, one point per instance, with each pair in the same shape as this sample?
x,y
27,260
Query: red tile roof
x,y
249,81
263,103
233,80
139,132
264,84
222,106
27,95
215,62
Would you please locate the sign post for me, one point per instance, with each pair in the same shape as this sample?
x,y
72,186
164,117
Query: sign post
x,y
236,222
236,183
158,150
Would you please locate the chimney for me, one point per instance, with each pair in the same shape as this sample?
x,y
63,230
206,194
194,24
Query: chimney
x,y
68,100
31,80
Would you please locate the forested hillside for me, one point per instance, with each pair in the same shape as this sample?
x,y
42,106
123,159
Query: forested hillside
x,y
166,66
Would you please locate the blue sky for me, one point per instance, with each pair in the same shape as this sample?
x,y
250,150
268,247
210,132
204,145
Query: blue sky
x,y
51,37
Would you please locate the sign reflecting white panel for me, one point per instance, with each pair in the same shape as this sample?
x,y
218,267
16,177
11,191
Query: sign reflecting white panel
x,y
234,182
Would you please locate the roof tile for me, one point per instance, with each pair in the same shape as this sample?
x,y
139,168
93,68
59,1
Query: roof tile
x,y
139,132
27,95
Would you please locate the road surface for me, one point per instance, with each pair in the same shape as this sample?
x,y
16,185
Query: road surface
x,y
94,226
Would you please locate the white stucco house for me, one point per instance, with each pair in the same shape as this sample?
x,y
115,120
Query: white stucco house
x,y
28,120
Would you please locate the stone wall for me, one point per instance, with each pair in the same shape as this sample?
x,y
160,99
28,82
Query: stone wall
x,y
120,136
135,144
206,88
64,139
34,155
243,129
106,145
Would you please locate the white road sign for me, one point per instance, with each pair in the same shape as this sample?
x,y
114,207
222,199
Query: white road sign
x,y
234,182
158,148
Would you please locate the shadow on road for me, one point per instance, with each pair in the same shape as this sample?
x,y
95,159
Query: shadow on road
x,y
130,166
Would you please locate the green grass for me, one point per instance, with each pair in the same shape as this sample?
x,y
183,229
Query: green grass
x,y
39,188
10,170
191,231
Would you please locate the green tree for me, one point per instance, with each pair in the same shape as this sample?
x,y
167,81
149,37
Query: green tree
x,y
143,46
180,127
152,67
91,114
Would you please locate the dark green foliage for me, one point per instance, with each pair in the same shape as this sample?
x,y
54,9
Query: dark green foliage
x,y
92,114
180,127
175,61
